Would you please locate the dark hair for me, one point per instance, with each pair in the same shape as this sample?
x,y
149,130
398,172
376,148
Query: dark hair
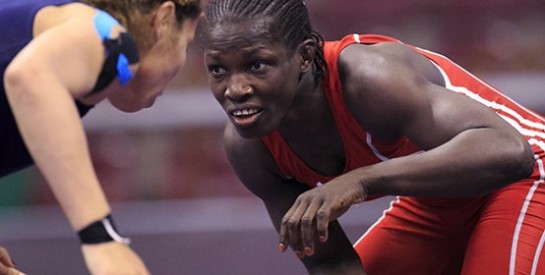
x,y
288,21
136,14
122,9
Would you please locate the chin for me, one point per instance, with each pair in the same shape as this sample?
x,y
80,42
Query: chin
x,y
250,133
135,106
149,103
129,109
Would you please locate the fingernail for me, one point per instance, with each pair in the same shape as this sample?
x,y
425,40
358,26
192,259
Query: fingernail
x,y
281,247
308,251
299,254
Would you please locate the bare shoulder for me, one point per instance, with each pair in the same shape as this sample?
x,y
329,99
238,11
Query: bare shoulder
x,y
51,16
381,63
66,46
381,83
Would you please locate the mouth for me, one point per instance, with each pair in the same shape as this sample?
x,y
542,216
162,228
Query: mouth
x,y
245,116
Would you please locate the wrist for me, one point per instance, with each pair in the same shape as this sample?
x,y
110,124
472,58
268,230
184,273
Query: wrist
x,y
101,231
362,192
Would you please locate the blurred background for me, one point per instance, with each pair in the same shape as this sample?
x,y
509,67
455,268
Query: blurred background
x,y
166,174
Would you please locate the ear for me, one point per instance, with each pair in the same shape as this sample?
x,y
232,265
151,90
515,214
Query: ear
x,y
164,17
307,51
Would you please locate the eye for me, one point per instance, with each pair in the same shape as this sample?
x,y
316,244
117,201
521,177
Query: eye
x,y
216,71
257,66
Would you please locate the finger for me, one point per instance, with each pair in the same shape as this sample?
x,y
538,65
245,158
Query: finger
x,y
13,271
283,232
284,238
308,228
293,226
297,231
5,259
9,271
322,222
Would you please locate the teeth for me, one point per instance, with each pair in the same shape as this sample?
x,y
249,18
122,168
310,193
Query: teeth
x,y
245,112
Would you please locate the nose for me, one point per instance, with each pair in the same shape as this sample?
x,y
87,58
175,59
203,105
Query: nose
x,y
238,89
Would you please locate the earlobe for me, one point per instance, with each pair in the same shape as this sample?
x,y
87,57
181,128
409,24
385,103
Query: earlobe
x,y
305,64
307,51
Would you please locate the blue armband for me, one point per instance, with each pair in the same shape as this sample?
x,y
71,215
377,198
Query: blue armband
x,y
104,23
121,52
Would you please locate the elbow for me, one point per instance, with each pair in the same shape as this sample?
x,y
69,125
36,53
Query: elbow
x,y
520,161
15,79
12,78
24,84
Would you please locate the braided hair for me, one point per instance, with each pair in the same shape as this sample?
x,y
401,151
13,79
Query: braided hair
x,y
288,21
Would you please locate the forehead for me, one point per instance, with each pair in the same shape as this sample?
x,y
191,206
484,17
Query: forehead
x,y
239,34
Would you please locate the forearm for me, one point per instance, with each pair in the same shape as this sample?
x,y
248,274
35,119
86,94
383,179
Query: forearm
x,y
51,128
473,163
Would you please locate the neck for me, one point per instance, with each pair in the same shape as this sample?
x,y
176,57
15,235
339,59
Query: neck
x,y
309,112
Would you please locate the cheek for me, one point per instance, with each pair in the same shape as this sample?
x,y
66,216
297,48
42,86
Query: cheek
x,y
217,92
171,62
157,70
280,96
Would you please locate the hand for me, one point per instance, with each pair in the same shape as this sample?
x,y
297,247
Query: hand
x,y
7,267
314,209
112,258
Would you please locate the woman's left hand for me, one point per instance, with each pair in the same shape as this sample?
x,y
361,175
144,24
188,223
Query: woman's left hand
x,y
313,210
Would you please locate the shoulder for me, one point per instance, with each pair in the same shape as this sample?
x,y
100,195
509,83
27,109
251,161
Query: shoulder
x,y
380,83
51,16
373,63
78,18
66,42
382,63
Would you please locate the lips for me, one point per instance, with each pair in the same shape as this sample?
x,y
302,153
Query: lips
x,y
245,112
245,116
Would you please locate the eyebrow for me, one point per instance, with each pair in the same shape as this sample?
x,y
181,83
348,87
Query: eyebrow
x,y
245,50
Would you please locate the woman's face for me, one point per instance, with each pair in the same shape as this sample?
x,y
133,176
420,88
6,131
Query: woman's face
x,y
156,68
253,79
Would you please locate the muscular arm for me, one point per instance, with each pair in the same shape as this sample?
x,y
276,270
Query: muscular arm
x,y
469,150
257,171
41,83
393,93
61,64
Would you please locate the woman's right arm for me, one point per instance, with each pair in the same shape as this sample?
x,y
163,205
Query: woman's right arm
x,y
41,84
257,171
61,64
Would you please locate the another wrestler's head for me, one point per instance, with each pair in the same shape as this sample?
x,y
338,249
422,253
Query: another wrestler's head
x,y
260,55
136,15
162,30
286,21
